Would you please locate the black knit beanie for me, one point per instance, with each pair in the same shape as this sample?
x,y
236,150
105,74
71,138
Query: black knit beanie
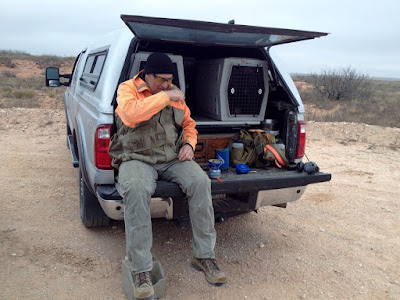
x,y
158,63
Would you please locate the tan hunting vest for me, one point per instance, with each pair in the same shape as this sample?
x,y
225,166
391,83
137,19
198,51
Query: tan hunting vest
x,y
157,140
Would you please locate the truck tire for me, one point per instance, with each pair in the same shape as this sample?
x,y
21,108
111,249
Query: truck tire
x,y
92,215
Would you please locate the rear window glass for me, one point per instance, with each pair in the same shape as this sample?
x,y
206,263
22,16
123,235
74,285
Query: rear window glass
x,y
199,32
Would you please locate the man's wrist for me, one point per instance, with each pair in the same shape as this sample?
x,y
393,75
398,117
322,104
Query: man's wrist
x,y
187,143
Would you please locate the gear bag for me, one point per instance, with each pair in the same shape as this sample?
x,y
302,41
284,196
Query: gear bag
x,y
259,149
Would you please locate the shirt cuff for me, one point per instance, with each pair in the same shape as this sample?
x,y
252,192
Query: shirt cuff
x,y
187,143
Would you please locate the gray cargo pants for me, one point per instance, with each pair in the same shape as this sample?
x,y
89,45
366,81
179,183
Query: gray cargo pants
x,y
137,182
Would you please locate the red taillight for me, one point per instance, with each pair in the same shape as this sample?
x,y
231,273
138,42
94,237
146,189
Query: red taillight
x,y
102,159
301,134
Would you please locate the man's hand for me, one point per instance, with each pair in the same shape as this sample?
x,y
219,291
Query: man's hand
x,y
186,153
176,95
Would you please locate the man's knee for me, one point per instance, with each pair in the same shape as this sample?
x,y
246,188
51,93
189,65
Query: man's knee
x,y
203,181
137,178
138,186
198,191
199,184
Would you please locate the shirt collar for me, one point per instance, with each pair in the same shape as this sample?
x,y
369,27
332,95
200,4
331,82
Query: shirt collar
x,y
140,84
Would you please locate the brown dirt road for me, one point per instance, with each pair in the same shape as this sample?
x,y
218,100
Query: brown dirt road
x,y
340,241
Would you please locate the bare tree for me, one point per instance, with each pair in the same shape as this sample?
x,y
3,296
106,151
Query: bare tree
x,y
343,84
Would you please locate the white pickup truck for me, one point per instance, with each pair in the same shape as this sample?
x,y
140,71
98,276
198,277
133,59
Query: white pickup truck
x,y
232,80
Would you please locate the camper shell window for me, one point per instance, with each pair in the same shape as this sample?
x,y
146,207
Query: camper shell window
x,y
93,68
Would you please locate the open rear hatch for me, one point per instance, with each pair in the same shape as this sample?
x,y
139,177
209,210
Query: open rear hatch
x,y
200,32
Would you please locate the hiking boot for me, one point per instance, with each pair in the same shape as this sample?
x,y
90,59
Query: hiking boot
x,y
143,287
209,267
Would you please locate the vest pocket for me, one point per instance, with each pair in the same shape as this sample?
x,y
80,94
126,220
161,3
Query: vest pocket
x,y
136,143
161,139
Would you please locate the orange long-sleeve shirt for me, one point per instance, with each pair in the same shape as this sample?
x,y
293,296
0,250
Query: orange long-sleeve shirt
x,y
136,104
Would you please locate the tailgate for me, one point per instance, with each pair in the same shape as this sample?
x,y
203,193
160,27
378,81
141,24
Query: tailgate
x,y
261,179
252,182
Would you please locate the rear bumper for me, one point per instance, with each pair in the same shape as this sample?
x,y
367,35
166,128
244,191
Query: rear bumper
x,y
235,192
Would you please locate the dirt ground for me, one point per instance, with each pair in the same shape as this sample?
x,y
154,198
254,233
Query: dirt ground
x,y
341,240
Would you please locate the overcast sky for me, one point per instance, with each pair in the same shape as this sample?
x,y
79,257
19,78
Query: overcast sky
x,y
363,34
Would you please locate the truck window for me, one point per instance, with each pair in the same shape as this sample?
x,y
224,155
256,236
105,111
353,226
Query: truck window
x,y
92,70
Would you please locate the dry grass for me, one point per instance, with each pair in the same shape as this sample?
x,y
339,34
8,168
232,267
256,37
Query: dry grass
x,y
381,107
9,74
7,58
25,86
28,92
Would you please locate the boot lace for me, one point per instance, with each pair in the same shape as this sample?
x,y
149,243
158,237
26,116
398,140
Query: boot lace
x,y
210,264
142,278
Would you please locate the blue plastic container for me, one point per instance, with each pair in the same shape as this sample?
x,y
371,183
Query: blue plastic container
x,y
223,155
242,169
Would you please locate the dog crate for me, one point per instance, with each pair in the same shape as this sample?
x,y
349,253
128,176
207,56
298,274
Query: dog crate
x,y
232,89
177,60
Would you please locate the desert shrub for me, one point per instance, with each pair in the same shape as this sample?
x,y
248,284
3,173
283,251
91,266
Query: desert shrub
x,y
30,92
381,107
6,88
340,84
7,57
8,73
35,83
31,83
24,94
43,61
6,61
7,92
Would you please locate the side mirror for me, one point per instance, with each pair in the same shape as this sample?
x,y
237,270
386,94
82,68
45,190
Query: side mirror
x,y
52,77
